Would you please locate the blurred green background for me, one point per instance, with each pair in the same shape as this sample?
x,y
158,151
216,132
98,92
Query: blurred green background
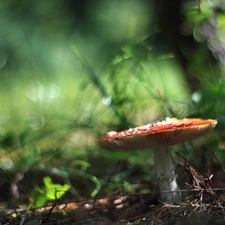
x,y
73,70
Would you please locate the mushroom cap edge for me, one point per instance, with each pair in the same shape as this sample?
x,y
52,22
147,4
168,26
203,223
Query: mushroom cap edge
x,y
168,132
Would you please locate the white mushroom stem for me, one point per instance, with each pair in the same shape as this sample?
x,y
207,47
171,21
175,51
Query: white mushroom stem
x,y
164,170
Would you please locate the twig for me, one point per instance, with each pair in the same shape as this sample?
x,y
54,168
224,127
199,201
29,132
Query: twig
x,y
49,214
192,165
23,219
166,104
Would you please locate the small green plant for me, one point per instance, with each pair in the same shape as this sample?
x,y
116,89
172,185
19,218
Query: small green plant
x,y
49,192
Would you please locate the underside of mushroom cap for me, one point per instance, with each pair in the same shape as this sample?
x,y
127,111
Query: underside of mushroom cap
x,y
170,131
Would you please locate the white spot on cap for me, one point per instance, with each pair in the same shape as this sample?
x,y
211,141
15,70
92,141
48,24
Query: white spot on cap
x,y
168,120
111,133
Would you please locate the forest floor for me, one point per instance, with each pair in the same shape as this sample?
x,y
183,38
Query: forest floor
x,y
201,203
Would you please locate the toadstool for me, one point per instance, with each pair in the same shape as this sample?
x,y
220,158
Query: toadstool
x,y
159,136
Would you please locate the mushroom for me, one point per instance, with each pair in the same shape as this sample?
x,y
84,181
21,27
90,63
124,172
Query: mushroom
x,y
159,136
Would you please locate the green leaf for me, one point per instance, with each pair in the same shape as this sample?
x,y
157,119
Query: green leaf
x,y
50,191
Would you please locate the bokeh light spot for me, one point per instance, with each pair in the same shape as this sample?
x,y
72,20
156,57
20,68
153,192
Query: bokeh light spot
x,y
6,163
107,100
35,91
53,90
196,97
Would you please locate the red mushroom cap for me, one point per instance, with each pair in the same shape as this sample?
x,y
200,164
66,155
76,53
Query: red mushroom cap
x,y
170,131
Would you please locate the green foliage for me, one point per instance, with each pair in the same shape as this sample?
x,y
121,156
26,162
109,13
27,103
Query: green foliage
x,y
50,192
69,75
